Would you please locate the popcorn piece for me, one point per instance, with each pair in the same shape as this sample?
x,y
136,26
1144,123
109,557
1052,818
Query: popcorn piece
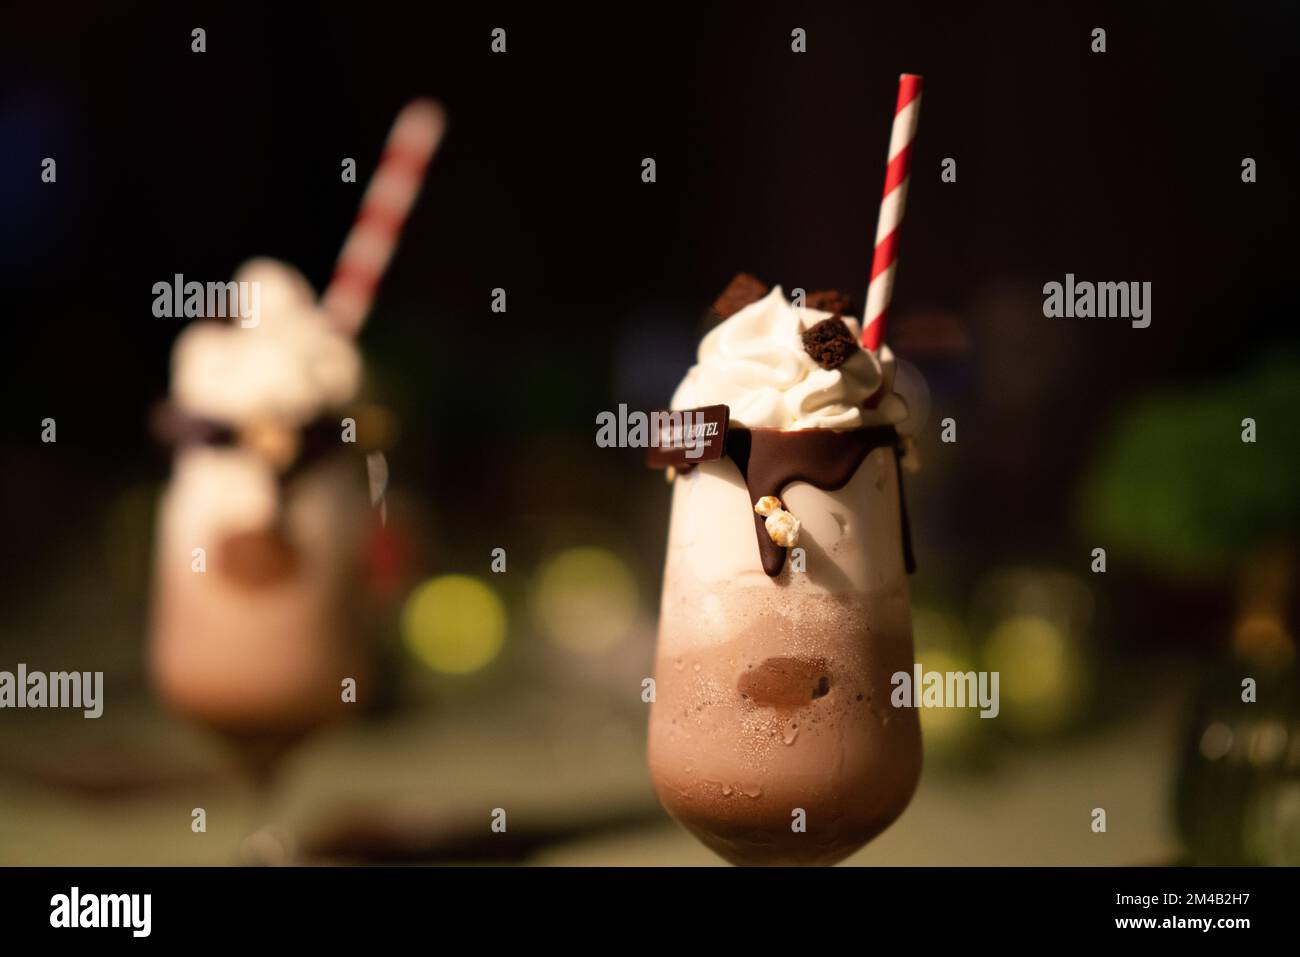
x,y
783,528
766,505
277,443
910,461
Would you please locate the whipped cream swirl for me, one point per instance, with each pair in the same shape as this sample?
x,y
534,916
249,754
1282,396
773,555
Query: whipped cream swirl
x,y
755,363
291,367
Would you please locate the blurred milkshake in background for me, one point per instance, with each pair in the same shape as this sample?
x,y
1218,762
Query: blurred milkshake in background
x,y
257,632
262,633
785,601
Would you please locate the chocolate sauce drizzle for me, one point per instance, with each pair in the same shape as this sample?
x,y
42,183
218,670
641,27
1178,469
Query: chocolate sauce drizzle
x,y
770,459
173,426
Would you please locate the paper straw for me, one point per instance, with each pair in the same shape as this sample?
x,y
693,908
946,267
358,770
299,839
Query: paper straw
x,y
885,262
389,196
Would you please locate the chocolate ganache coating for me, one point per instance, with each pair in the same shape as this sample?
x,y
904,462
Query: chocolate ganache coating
x,y
770,459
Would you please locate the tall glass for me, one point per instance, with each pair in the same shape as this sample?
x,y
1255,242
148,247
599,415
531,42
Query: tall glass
x,y
772,736
257,645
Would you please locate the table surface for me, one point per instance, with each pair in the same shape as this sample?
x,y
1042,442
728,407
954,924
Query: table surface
x,y
421,787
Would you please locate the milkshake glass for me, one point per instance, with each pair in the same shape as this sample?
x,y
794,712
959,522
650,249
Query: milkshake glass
x,y
256,636
772,737
259,643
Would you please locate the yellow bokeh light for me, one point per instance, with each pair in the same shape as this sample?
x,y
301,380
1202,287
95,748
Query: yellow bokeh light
x,y
455,624
584,599
943,729
1041,675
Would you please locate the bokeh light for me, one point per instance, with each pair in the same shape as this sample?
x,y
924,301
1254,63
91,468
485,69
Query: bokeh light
x,y
1263,637
945,731
584,599
455,624
128,537
1041,675
942,645
1216,742
1266,743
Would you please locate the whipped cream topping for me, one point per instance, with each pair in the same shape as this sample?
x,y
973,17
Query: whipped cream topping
x,y
755,363
290,367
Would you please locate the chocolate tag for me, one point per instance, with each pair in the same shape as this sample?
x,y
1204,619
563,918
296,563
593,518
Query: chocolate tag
x,y
687,437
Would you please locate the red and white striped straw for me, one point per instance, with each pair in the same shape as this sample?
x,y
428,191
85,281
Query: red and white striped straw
x,y
885,262
389,196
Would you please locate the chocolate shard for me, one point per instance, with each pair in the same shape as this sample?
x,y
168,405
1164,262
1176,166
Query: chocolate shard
x,y
740,292
830,343
829,300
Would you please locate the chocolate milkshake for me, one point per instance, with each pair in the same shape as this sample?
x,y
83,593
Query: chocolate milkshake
x,y
785,603
255,634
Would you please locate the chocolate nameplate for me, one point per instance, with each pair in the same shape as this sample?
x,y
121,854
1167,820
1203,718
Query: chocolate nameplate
x,y
687,437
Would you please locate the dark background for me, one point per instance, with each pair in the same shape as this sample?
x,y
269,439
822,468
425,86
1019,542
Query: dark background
x,y
1115,166
1122,166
